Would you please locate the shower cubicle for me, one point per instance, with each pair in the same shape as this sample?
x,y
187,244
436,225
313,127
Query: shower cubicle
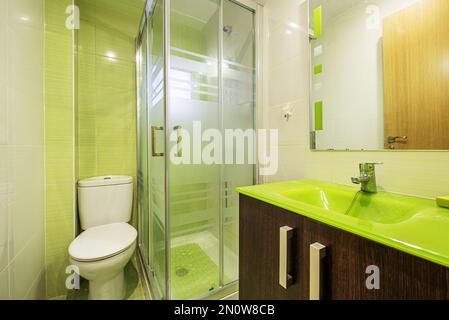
x,y
196,67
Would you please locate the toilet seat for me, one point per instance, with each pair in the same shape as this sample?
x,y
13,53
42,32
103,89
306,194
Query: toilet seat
x,y
102,242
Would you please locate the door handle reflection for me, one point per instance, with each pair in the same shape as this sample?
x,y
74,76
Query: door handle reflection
x,y
178,141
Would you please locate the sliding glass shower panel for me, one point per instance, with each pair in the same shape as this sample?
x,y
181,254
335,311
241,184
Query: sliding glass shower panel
x,y
208,51
157,130
239,115
194,189
142,173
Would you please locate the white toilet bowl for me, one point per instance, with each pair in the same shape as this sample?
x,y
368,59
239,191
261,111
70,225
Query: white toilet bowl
x,y
101,254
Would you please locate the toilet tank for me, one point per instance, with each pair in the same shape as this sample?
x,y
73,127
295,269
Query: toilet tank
x,y
105,200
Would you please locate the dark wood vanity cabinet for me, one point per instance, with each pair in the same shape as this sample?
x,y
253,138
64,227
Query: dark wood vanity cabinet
x,y
343,269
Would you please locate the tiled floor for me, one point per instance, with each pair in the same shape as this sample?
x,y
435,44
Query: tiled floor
x,y
134,289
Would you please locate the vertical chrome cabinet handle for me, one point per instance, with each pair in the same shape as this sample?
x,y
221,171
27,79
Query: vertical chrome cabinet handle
x,y
179,141
285,235
153,141
317,253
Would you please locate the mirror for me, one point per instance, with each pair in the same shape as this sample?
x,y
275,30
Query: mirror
x,y
379,74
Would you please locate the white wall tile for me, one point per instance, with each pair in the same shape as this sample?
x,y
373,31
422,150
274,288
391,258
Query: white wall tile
x,y
289,168
3,12
37,290
280,11
26,267
4,258
3,112
25,85
287,82
26,12
21,149
26,195
3,73
290,132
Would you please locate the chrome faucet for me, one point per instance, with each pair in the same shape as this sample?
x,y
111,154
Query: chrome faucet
x,y
367,177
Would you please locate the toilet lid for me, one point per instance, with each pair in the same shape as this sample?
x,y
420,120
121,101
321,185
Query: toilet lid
x,y
102,242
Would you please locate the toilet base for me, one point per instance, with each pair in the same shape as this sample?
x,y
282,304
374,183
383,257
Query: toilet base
x,y
112,289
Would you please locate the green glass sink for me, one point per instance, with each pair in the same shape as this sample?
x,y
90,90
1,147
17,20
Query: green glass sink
x,y
380,207
410,224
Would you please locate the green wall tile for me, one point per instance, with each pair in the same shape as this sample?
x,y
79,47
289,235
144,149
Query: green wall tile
x,y
106,88
318,22
105,95
318,69
318,115
59,157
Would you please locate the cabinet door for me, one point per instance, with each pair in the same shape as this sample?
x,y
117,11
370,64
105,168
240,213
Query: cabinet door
x,y
344,269
260,225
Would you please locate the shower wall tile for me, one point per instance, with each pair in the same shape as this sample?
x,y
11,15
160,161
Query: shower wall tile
x,y
59,137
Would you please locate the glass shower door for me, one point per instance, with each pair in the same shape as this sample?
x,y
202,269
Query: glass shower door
x,y
239,67
142,174
210,88
194,188
157,157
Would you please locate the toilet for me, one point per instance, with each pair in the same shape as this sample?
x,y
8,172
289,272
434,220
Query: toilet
x,y
107,242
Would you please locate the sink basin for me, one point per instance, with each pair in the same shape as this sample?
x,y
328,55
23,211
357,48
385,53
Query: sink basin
x,y
411,224
328,198
381,207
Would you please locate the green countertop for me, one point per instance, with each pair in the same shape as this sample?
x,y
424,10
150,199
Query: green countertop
x,y
410,224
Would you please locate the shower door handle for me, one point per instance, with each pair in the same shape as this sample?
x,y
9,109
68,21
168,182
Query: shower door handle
x,y
153,141
178,141
285,236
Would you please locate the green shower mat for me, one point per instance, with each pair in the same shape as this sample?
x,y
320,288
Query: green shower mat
x,y
193,273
